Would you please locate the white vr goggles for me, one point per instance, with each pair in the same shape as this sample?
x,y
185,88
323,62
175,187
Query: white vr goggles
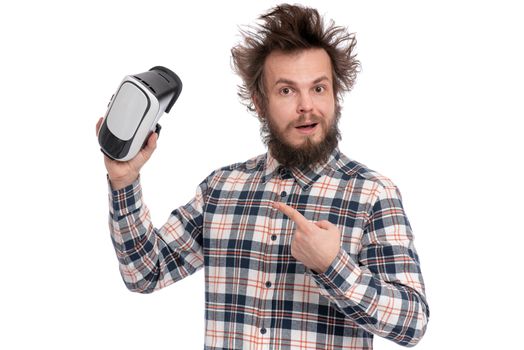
x,y
134,111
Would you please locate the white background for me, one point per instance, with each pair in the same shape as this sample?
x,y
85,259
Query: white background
x,y
436,108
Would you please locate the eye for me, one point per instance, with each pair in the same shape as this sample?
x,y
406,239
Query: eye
x,y
285,91
319,89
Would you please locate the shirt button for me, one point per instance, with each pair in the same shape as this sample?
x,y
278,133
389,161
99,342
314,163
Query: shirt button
x,y
263,331
285,174
273,237
268,284
283,194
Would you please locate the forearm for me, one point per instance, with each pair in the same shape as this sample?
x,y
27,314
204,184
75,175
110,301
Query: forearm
x,y
136,248
148,260
390,309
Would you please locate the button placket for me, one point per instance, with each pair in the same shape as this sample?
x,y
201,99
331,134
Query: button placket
x,y
280,192
284,184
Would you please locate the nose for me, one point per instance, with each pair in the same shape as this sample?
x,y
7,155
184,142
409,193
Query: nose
x,y
305,104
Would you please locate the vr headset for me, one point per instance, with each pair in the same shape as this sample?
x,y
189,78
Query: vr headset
x,y
134,110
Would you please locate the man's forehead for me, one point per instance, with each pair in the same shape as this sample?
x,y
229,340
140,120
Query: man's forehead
x,y
323,78
304,66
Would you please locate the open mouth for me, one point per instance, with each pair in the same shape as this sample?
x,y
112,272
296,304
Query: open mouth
x,y
307,126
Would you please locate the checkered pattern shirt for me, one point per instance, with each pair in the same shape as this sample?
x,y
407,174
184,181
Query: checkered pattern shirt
x,y
257,295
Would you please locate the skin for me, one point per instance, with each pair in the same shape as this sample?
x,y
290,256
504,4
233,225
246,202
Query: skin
x,y
314,244
122,174
299,86
300,92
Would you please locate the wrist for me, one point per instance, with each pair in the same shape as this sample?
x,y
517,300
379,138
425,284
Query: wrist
x,y
328,261
118,184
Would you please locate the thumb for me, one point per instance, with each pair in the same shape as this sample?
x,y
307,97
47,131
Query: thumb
x,y
145,153
98,124
151,145
324,224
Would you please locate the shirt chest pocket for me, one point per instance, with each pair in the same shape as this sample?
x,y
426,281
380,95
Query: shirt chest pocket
x,y
236,221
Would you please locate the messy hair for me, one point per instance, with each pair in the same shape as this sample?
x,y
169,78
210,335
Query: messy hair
x,y
292,28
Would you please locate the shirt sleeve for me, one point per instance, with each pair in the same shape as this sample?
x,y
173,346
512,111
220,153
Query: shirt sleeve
x,y
150,258
384,291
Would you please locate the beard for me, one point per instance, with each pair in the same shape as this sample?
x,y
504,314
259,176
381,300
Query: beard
x,y
309,153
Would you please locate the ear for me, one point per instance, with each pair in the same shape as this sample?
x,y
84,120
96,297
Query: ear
x,y
256,103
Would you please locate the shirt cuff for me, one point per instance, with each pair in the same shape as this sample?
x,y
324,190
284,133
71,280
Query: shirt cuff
x,y
339,277
126,200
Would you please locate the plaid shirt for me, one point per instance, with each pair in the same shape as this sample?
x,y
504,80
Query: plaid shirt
x,y
257,295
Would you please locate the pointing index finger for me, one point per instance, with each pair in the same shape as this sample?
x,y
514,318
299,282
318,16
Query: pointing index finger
x,y
292,213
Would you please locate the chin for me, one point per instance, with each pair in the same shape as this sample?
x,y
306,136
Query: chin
x,y
310,140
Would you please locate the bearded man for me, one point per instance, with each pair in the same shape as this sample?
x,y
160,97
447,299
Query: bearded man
x,y
302,247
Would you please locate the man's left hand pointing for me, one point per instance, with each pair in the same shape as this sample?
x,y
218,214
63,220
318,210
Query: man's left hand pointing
x,y
315,244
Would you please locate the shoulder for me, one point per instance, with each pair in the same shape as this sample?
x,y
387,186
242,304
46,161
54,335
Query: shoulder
x,y
250,166
380,188
350,168
253,164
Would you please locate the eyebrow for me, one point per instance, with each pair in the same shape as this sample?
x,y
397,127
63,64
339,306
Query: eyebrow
x,y
291,82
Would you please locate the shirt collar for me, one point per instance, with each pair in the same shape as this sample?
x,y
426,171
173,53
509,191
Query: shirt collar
x,y
304,177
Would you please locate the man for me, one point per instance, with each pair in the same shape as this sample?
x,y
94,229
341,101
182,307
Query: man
x,y
302,247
